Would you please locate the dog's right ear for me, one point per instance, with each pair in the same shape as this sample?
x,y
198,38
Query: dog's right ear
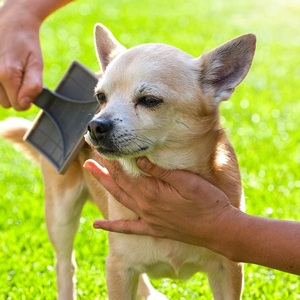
x,y
107,47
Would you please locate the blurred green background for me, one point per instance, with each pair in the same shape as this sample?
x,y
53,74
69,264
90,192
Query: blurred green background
x,y
262,120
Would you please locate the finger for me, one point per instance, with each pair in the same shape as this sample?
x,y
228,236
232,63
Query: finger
x,y
109,164
173,177
186,183
112,166
11,86
32,83
110,185
138,227
124,181
92,166
100,160
135,187
145,188
3,98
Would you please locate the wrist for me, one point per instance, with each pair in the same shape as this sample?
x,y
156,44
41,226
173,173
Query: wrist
x,y
28,13
226,232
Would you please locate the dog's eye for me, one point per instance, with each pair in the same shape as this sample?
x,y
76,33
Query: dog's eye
x,y
101,98
149,101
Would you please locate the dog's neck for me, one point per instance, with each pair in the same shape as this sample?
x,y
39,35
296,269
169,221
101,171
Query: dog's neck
x,y
197,159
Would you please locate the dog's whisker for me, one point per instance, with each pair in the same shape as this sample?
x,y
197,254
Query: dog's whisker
x,y
176,142
142,142
171,149
145,139
180,122
141,129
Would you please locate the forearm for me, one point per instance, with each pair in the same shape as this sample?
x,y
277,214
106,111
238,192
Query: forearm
x,y
39,9
267,242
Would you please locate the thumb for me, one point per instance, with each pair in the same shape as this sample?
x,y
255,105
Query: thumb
x,y
32,84
138,227
176,178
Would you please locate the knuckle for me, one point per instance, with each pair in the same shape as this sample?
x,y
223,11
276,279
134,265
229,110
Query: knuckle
x,y
147,210
151,194
114,174
116,165
193,188
37,62
163,173
117,194
8,71
144,207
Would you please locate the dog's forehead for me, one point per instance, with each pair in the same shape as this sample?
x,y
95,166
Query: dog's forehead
x,y
152,63
153,55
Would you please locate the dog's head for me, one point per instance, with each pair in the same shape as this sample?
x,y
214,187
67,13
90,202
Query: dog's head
x,y
156,100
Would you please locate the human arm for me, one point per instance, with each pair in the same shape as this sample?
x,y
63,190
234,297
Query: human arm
x,y
182,206
21,61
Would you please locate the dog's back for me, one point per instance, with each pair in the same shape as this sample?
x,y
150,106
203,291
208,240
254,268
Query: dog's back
x,y
14,129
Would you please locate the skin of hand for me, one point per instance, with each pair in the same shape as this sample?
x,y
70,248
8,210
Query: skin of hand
x,y
167,202
182,206
21,61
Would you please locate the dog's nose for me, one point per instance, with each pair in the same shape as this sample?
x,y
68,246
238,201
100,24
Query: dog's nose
x,y
99,128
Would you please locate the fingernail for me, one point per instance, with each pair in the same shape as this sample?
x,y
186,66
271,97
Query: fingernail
x,y
96,225
88,164
91,165
25,102
144,163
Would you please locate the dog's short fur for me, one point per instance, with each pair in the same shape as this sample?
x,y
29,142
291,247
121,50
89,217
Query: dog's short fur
x,y
160,102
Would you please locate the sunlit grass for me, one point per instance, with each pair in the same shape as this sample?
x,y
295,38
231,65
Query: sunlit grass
x,y
262,120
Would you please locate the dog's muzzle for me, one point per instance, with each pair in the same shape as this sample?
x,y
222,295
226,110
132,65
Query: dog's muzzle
x,y
100,136
106,136
100,129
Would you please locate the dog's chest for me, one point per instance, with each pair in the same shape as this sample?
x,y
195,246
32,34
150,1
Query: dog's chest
x,y
157,257
162,258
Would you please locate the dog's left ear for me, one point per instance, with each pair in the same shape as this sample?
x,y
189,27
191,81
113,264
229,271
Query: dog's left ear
x,y
224,68
107,47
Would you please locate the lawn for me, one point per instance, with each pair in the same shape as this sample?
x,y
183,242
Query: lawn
x,y
262,120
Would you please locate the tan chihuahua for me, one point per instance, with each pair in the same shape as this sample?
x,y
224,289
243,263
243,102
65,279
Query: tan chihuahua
x,y
160,102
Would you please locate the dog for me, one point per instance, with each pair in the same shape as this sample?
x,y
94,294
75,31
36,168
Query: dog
x,y
160,102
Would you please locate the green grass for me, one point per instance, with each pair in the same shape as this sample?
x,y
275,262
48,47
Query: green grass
x,y
262,120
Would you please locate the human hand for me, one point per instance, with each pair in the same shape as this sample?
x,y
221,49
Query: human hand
x,y
173,204
21,61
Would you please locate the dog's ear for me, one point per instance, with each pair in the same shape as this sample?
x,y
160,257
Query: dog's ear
x,y
107,47
223,69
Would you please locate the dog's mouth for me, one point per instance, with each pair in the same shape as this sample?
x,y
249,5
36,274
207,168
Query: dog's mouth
x,y
115,153
109,150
